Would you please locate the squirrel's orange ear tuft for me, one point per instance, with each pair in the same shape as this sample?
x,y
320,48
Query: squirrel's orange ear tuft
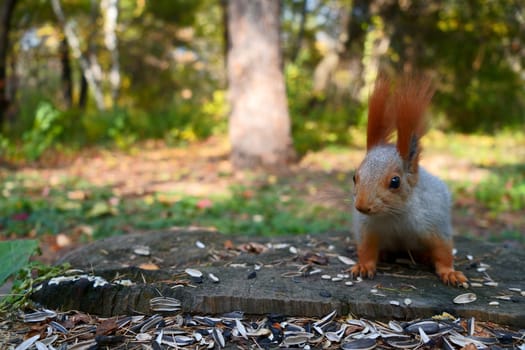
x,y
380,125
411,98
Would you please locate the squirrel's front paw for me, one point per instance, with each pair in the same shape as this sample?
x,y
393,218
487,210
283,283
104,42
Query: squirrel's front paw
x,y
452,277
363,270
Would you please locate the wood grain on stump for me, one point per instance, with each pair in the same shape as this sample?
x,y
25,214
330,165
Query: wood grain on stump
x,y
279,286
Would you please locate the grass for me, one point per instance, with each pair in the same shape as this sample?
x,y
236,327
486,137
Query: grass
x,y
504,189
268,209
85,199
486,150
493,167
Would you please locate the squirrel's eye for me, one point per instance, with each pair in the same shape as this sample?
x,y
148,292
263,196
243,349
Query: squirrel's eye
x,y
395,182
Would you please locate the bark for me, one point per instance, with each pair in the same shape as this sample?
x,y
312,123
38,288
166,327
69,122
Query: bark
x,y
376,43
331,62
91,54
82,95
109,10
6,12
354,47
324,70
67,80
259,124
300,35
225,34
89,66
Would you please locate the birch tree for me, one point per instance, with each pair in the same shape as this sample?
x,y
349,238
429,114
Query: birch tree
x,y
89,67
109,9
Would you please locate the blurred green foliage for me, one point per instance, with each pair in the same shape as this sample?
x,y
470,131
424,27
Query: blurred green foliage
x,y
172,66
504,190
315,124
44,132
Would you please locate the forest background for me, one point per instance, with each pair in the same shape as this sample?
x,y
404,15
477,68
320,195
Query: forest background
x,y
156,69
107,81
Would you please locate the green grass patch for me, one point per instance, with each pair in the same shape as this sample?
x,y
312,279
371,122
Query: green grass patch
x,y
504,189
30,210
502,148
508,236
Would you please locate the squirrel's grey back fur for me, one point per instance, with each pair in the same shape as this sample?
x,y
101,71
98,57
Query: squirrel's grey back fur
x,y
425,212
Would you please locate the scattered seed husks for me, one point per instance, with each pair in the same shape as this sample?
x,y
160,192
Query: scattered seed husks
x,y
465,298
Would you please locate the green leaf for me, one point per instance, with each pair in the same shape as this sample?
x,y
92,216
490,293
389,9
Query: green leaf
x,y
100,208
15,255
66,205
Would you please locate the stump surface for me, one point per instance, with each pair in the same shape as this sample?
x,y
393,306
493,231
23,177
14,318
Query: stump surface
x,y
271,281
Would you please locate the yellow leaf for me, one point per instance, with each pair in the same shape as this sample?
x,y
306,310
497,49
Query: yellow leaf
x,y
149,266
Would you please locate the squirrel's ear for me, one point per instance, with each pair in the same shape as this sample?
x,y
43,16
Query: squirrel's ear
x,y
411,98
380,125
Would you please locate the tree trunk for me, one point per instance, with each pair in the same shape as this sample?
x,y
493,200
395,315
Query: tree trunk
x,y
6,12
90,53
89,68
109,9
259,124
296,48
82,95
225,34
359,21
67,79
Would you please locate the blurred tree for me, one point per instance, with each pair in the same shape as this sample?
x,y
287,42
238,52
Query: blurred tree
x,y
6,12
259,124
67,78
90,57
164,62
89,64
109,9
474,49
297,42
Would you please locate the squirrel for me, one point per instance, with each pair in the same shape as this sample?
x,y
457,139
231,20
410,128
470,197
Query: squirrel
x,y
398,205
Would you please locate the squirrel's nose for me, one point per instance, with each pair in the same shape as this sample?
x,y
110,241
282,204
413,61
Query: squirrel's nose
x,y
365,209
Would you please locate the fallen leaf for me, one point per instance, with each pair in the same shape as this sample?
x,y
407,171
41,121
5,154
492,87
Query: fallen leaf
x,y
84,229
107,327
314,258
77,195
168,198
257,218
228,244
470,346
149,266
20,216
100,208
114,201
204,203
63,240
252,247
76,319
248,194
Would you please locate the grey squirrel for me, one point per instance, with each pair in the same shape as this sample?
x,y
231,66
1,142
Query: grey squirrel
x,y
398,205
